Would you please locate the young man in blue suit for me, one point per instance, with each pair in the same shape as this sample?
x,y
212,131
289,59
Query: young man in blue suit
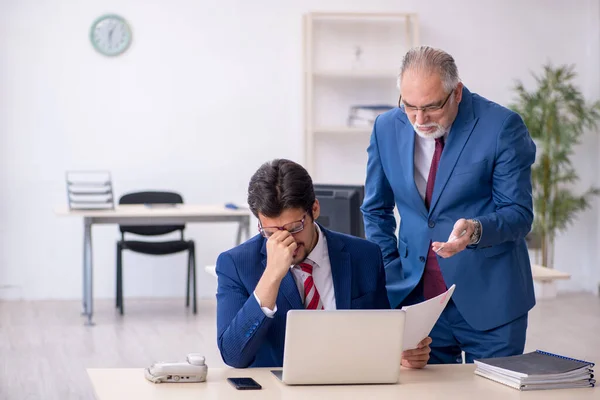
x,y
458,168
292,264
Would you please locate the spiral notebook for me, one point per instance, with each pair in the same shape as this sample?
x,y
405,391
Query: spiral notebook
x,y
537,370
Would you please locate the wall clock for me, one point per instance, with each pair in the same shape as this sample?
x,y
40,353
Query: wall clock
x,y
110,35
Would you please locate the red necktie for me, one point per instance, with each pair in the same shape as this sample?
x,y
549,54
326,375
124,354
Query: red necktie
x,y
433,281
312,300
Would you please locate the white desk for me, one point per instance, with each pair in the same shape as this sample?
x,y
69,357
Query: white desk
x,y
434,382
545,279
143,215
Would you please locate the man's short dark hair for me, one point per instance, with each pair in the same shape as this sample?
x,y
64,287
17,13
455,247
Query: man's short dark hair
x,y
279,185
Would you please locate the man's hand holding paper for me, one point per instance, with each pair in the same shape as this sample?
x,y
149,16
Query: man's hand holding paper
x,y
417,358
420,319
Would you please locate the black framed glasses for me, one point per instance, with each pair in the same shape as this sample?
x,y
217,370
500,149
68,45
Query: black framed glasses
x,y
292,227
426,109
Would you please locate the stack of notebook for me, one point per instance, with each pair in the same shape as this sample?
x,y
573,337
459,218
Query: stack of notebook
x,y
537,370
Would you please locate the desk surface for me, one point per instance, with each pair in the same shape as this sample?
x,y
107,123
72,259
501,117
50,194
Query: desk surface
x,y
435,381
143,211
541,273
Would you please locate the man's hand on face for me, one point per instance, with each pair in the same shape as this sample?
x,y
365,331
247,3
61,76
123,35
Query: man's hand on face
x,y
459,239
280,253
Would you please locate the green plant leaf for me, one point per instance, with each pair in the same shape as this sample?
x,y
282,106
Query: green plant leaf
x,y
556,115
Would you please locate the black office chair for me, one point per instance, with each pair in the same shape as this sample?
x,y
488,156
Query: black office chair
x,y
155,248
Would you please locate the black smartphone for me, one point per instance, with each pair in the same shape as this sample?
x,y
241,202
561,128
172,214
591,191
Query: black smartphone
x,y
244,383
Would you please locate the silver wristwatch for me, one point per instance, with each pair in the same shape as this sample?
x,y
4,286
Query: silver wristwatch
x,y
477,232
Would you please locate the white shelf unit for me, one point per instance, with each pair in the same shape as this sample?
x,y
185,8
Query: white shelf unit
x,y
349,59
342,130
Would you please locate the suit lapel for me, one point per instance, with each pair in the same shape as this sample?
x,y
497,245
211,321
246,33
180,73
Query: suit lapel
x,y
288,284
341,269
406,146
457,138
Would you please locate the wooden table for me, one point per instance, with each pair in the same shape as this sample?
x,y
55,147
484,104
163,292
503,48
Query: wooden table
x,y
444,382
145,215
545,279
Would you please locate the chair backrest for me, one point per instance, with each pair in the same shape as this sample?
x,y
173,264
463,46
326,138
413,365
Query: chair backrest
x,y
151,197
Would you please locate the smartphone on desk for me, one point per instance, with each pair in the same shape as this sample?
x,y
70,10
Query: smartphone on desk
x,y
244,383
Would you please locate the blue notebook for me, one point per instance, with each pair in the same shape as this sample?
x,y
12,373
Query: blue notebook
x,y
537,370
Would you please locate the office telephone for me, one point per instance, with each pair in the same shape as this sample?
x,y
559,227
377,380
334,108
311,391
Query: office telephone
x,y
194,369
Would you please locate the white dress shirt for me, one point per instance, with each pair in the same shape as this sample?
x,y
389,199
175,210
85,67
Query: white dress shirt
x,y
319,259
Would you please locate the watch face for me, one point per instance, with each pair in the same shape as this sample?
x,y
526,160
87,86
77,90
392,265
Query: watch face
x,y
110,35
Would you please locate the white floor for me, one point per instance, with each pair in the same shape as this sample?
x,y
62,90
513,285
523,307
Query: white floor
x,y
45,348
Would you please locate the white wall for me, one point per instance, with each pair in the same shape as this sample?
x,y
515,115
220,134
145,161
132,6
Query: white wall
x,y
207,92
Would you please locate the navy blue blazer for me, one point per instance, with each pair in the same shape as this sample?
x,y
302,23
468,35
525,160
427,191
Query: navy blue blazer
x,y
484,173
246,337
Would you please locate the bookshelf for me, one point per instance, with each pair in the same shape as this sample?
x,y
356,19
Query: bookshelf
x,y
350,59
349,74
341,130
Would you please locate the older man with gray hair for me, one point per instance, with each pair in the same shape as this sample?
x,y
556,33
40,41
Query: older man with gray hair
x,y
458,168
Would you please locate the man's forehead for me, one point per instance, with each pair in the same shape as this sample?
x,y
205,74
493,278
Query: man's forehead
x,y
421,85
287,216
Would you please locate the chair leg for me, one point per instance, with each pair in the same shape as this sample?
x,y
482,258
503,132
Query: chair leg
x,y
121,280
189,269
119,277
194,274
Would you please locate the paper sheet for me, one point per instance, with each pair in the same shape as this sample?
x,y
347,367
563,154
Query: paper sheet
x,y
421,317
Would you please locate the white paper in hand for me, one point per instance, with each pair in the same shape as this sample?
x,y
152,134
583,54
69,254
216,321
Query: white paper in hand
x,y
421,317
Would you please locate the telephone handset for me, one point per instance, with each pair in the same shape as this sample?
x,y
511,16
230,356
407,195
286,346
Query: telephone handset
x,y
194,369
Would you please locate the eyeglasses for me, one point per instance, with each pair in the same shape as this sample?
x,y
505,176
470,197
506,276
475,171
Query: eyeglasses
x,y
426,109
292,227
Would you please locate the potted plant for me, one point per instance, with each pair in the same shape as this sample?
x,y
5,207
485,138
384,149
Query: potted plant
x,y
556,116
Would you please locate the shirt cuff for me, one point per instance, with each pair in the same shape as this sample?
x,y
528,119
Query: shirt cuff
x,y
267,311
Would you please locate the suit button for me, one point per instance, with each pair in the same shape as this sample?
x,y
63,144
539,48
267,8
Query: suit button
x,y
422,259
431,224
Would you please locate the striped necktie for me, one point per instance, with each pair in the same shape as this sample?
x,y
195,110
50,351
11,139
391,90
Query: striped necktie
x,y
312,300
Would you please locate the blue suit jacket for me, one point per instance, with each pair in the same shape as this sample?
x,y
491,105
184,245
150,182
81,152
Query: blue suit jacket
x,y
484,173
246,337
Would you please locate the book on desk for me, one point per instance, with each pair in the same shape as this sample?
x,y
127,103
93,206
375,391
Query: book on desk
x,y
537,370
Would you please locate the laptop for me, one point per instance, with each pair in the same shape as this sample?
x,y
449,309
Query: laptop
x,y
342,347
